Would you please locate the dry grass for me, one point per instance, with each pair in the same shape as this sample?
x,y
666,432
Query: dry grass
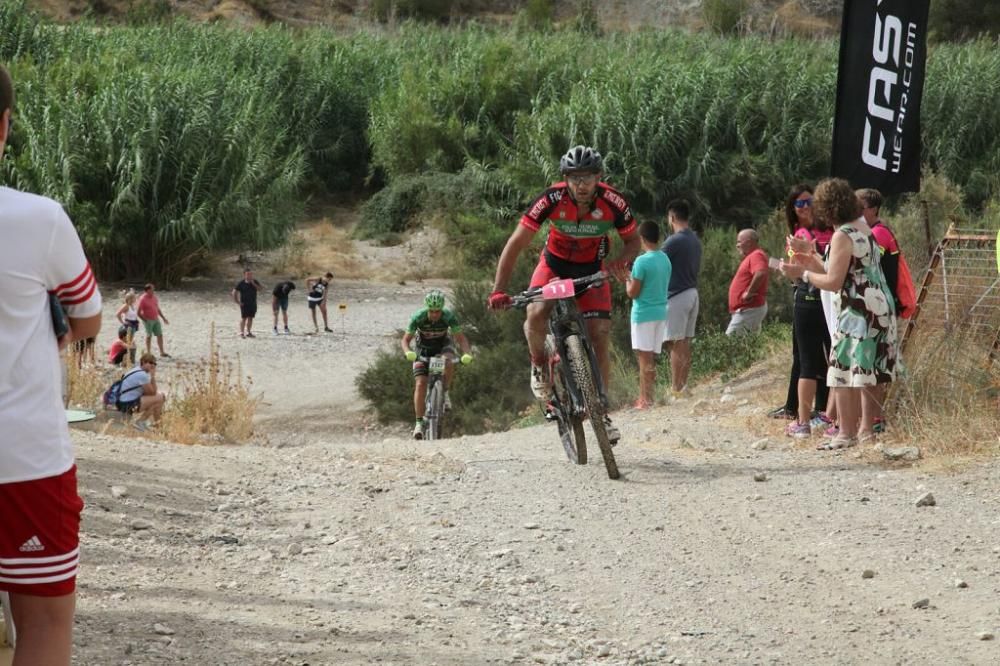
x,y
86,384
210,401
947,403
317,247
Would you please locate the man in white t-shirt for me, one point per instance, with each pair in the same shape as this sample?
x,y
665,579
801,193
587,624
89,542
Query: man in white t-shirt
x,y
39,506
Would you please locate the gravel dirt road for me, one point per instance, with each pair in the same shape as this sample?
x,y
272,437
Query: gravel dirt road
x,y
329,541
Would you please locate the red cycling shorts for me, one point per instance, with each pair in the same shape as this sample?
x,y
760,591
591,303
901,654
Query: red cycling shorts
x,y
594,303
40,535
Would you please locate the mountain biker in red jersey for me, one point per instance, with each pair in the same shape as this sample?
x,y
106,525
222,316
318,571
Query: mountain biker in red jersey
x,y
581,211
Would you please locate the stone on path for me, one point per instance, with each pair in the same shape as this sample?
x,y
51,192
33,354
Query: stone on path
x,y
909,453
760,477
867,573
927,499
922,603
163,630
760,445
985,636
119,491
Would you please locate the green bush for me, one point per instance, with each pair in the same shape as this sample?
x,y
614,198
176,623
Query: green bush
x,y
536,15
719,260
957,20
725,17
422,10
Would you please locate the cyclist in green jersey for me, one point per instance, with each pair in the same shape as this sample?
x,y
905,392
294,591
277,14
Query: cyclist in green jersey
x,y
435,330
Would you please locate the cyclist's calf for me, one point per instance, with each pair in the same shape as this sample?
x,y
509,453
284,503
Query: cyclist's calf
x,y
536,327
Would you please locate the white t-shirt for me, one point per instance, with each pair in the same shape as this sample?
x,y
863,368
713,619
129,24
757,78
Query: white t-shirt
x,y
41,253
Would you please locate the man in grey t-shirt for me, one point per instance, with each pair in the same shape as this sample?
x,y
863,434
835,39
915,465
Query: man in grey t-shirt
x,y
684,250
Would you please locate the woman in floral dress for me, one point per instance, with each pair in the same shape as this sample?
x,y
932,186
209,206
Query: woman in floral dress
x,y
864,346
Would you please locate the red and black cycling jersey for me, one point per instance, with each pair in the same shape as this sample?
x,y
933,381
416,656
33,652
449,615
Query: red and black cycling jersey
x,y
570,238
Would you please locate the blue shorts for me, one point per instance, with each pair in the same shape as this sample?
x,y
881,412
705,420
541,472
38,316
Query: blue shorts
x,y
280,302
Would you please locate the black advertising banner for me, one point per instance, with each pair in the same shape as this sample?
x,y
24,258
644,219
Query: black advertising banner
x,y
876,130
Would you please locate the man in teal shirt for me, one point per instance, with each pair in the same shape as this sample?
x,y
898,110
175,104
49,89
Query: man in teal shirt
x,y
647,287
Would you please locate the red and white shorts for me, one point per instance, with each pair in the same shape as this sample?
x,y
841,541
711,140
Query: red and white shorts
x,y
40,535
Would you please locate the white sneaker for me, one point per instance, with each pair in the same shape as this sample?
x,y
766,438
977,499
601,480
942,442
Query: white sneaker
x,y
287,332
275,330
418,431
540,383
613,433
447,402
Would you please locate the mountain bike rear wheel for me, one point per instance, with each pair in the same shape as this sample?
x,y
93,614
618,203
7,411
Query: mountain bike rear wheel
x,y
435,411
584,376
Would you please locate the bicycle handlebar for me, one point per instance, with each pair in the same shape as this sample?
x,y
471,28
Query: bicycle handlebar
x,y
533,295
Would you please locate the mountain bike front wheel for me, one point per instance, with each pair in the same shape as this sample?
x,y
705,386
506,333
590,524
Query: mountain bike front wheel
x,y
435,411
583,373
570,425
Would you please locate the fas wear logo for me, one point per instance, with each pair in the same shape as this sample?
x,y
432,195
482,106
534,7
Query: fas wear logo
x,y
32,545
889,91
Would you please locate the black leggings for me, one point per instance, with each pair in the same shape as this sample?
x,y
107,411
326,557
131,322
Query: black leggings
x,y
810,351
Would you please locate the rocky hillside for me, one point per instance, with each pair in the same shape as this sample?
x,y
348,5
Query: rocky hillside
x,y
798,16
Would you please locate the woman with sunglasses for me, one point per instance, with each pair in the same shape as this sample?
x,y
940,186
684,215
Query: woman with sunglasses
x,y
810,336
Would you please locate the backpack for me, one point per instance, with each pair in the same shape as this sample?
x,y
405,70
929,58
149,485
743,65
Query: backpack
x,y
905,291
113,392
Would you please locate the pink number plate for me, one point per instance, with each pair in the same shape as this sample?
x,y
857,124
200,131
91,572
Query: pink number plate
x,y
558,289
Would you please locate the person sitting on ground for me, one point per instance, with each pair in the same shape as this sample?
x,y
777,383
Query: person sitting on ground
x,y
748,290
316,298
435,329
647,287
139,394
120,347
279,301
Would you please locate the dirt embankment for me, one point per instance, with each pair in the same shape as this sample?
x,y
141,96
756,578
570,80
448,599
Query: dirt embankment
x,y
327,541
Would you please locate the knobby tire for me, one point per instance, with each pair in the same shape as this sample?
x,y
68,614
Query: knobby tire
x,y
583,374
435,411
570,425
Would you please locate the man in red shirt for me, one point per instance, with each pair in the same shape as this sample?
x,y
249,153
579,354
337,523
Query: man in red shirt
x,y
748,290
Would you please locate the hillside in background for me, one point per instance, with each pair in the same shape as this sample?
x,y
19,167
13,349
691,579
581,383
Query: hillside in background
x,y
795,16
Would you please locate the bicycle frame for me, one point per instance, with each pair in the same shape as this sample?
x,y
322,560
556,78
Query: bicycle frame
x,y
566,320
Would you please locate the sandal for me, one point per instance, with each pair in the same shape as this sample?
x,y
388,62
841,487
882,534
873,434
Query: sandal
x,y
867,438
838,442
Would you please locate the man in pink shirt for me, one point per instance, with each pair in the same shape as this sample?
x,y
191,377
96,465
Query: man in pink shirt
x,y
748,290
150,313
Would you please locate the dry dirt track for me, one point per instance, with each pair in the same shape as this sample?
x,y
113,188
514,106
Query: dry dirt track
x,y
325,543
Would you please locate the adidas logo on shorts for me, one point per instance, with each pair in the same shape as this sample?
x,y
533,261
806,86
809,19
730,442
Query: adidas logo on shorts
x,y
31,545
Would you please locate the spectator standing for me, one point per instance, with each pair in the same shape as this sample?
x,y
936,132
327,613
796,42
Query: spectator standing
x,y
139,393
683,249
748,289
810,336
316,298
279,301
39,505
150,313
128,317
245,296
871,207
647,287
865,346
